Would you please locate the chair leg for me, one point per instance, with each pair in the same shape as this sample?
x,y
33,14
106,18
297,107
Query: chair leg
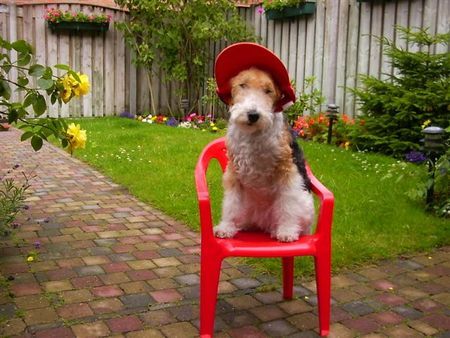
x,y
323,282
288,277
209,283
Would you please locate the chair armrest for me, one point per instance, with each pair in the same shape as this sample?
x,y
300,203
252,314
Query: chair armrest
x,y
326,197
214,150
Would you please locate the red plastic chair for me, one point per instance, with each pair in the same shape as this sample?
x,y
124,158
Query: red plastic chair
x,y
258,244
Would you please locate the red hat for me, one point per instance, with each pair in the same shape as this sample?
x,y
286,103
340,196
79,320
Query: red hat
x,y
244,55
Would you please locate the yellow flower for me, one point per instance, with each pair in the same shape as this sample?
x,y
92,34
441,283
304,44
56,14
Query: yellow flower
x,y
76,136
426,124
68,83
81,87
346,145
214,129
30,259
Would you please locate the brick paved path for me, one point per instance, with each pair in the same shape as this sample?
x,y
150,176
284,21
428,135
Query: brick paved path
x,y
109,265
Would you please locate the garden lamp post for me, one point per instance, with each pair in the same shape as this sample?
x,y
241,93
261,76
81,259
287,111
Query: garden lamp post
x,y
332,114
434,146
185,105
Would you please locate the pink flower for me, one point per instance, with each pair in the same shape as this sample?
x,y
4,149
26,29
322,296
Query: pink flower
x,y
260,10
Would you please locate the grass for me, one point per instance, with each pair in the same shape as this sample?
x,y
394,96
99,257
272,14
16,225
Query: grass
x,y
374,217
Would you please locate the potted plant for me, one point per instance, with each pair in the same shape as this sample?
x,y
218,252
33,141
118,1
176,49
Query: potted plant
x,y
288,9
59,20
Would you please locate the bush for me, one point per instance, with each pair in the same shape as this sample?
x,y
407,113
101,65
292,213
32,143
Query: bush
x,y
417,91
12,199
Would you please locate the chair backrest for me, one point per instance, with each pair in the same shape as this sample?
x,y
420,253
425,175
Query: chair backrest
x,y
217,150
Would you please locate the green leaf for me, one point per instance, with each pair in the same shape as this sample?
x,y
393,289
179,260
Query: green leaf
x,y
36,70
23,59
39,105
75,75
26,135
5,90
22,81
22,46
36,142
45,83
29,99
62,67
48,73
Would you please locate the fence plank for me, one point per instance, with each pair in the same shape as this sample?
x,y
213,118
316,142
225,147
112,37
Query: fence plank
x,y
305,44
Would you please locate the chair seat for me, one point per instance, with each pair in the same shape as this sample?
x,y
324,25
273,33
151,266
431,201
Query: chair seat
x,y
260,244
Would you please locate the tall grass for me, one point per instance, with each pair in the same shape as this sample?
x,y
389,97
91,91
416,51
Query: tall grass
x,y
374,218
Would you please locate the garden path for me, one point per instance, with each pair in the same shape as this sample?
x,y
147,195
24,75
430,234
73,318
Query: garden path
x,y
110,265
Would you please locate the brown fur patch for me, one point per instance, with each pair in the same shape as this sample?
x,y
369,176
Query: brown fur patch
x,y
286,167
254,79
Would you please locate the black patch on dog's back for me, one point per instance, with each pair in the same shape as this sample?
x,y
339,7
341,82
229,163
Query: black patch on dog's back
x,y
299,160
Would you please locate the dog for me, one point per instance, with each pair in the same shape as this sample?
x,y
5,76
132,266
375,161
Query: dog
x,y
265,183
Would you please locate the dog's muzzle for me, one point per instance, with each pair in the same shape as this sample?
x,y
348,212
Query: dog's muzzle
x,y
252,116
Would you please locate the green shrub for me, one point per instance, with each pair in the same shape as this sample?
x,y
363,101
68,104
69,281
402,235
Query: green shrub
x,y
12,199
417,91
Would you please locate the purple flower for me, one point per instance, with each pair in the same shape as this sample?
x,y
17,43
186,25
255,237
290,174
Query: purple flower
x,y
172,122
415,157
15,225
127,115
260,10
16,166
37,245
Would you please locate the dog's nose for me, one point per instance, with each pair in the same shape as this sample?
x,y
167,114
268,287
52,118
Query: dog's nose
x,y
253,116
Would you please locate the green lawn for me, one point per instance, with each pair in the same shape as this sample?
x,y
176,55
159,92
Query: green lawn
x,y
374,218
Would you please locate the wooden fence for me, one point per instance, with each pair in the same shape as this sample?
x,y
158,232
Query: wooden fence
x,y
334,45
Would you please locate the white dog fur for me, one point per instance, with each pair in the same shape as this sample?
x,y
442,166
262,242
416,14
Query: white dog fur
x,y
263,186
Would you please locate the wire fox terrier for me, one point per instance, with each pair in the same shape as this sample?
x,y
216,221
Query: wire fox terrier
x,y
265,182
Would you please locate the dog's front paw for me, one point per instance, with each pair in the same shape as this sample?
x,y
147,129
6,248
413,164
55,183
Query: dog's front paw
x,y
287,235
225,230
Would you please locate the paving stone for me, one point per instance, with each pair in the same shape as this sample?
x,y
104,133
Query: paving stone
x,y
114,278
295,306
86,282
247,331
338,330
12,327
26,289
31,302
124,324
166,296
185,313
148,333
137,300
157,318
90,270
243,302
426,305
439,321
111,305
358,308
74,311
190,279
278,328
401,330
107,291
135,287
58,286
180,330
166,261
246,283
268,313
76,296
269,297
407,312
141,265
7,311
362,325
239,318
57,332
40,316
423,328
137,275
391,299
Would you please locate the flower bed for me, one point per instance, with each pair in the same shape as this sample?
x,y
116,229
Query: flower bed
x,y
59,20
194,121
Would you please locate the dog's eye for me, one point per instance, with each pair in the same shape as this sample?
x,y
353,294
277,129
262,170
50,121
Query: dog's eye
x,y
243,85
268,91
